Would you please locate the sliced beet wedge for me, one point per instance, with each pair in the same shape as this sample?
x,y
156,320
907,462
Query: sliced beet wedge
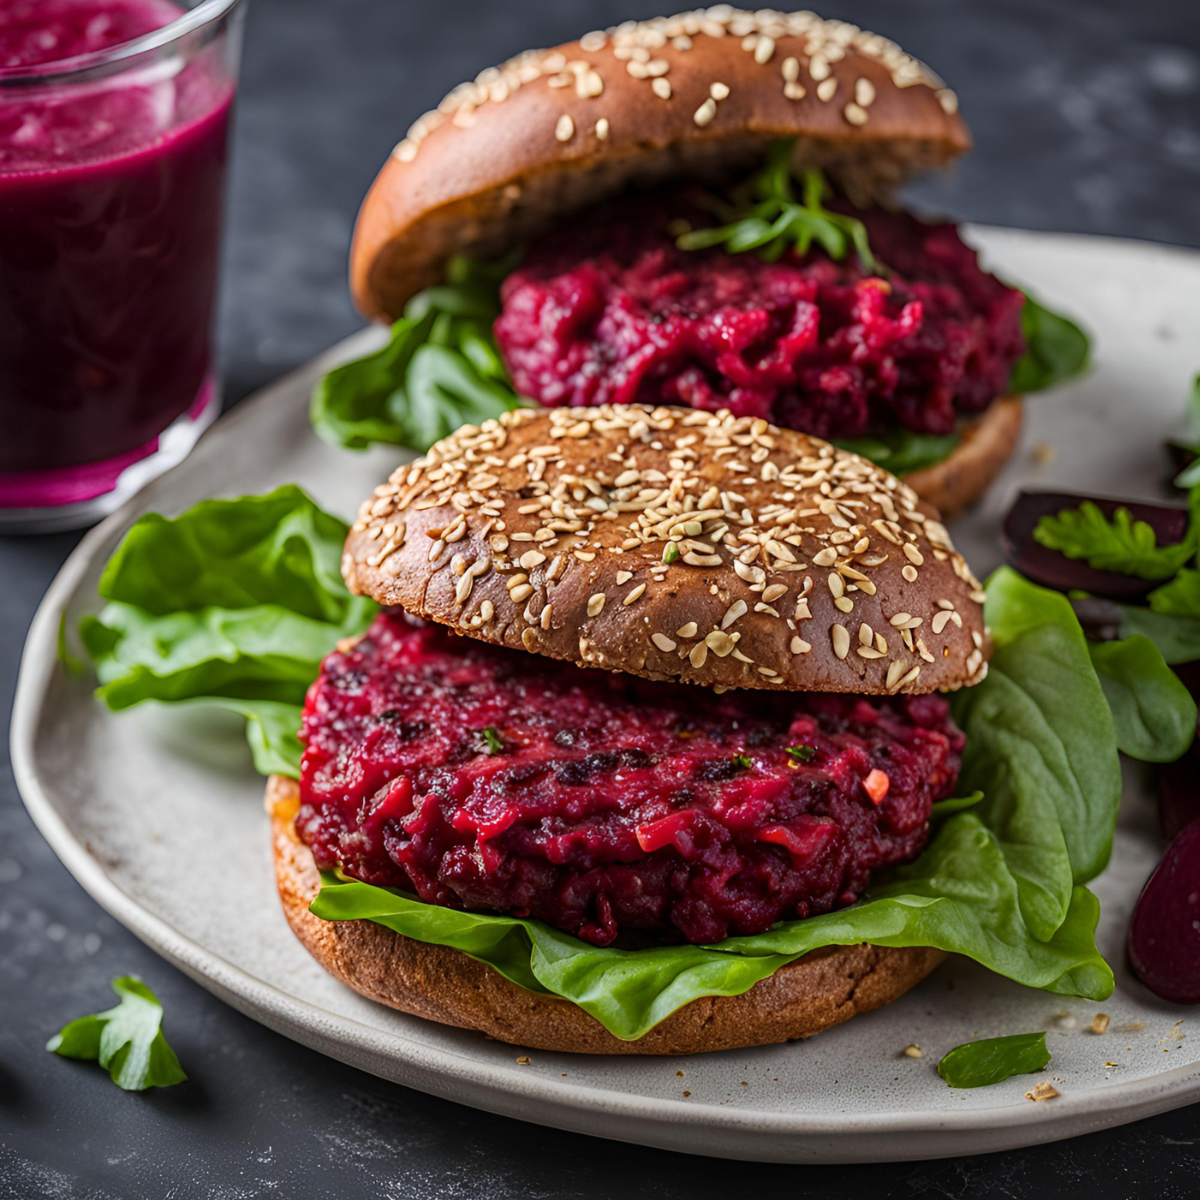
x,y
1164,934
1055,570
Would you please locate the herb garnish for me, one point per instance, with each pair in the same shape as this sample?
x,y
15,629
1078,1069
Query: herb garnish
x,y
766,216
1119,543
493,740
802,753
126,1040
670,552
992,1060
744,761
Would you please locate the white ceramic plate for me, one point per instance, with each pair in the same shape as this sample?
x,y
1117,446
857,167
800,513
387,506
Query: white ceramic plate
x,y
157,813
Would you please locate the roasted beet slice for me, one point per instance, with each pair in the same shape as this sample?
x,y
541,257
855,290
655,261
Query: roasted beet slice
x,y
1164,934
1055,570
1179,793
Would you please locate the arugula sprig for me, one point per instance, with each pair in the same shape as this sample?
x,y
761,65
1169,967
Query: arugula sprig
x,y
440,369
767,217
126,1040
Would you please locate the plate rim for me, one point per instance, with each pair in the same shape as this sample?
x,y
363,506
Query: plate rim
x,y
456,1075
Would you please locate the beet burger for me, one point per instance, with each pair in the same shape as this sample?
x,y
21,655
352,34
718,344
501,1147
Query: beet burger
x,y
520,731
637,729
697,210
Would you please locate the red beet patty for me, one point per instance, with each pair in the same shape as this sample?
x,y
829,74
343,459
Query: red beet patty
x,y
610,311
486,778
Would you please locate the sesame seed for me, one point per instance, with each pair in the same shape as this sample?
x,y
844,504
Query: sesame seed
x,y
948,101
487,610
893,674
825,558
901,619
794,91
864,92
774,592
818,68
912,1051
800,646
841,640
827,89
913,555
855,114
698,655
521,592
663,642
718,91
910,573
657,67
687,631
531,559
661,88
565,129
733,612
624,576
790,69
844,604
636,594
705,113
529,639
595,604
940,621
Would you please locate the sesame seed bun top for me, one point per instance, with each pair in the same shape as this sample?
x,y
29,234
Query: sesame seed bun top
x,y
678,545
700,94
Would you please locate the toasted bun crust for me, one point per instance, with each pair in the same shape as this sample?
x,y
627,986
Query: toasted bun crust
x,y
677,545
987,444
700,93
440,984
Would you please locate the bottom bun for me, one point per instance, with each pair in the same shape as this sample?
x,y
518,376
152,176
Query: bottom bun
x,y
987,444
822,989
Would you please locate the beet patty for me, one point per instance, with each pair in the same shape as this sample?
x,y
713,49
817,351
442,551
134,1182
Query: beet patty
x,y
610,311
481,777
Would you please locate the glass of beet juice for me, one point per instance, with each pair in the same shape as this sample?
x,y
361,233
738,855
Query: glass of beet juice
x,y
114,122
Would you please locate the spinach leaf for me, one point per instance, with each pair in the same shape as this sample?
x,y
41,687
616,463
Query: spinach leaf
x,y
1154,714
1177,637
1041,746
901,451
127,1041
992,1060
439,370
1056,350
234,603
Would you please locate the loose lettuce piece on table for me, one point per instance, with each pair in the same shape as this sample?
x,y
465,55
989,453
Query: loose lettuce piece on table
x,y
233,603
439,370
993,1060
126,1040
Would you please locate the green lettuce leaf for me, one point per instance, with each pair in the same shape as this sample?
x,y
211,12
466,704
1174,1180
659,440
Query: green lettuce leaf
x,y
1177,637
127,1040
1056,350
234,603
901,451
993,1060
1180,597
1154,713
439,370
958,896
1041,746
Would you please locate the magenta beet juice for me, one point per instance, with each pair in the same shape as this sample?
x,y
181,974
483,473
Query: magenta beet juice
x,y
114,129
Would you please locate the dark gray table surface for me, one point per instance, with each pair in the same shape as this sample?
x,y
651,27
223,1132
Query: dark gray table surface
x,y
1085,114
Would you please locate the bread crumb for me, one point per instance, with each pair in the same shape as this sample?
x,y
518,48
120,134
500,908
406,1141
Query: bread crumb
x,y
913,1051
687,1093
523,1060
678,1074
1099,1023
1043,1091
1042,453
